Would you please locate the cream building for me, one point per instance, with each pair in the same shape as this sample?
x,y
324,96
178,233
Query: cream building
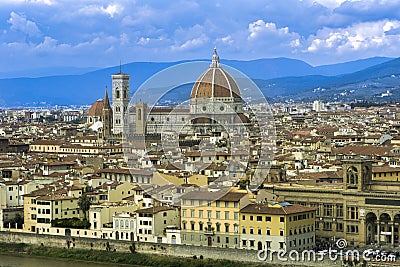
x,y
206,222
277,226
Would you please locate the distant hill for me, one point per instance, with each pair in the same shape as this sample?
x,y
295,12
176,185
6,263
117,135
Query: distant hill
x,y
278,78
351,66
367,84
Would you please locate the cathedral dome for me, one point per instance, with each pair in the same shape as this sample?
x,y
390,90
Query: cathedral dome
x,y
215,82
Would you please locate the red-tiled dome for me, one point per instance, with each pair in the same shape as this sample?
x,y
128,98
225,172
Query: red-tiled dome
x,y
96,110
215,82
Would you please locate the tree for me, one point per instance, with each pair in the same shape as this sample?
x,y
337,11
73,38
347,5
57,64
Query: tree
x,y
84,204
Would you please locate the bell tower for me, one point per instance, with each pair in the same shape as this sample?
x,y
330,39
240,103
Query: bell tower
x,y
357,174
120,101
107,117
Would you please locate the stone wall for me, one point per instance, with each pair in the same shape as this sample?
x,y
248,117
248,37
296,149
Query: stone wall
x,y
154,248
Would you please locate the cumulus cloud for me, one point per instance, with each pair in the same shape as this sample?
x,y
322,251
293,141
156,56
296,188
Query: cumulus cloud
x,y
22,24
190,44
313,30
109,10
358,37
261,33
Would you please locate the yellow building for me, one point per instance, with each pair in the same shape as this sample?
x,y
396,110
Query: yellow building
x,y
212,218
385,173
46,204
277,226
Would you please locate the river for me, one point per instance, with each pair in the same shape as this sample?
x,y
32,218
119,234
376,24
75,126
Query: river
x,y
27,261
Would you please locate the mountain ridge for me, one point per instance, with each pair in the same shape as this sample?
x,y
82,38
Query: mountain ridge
x,y
88,87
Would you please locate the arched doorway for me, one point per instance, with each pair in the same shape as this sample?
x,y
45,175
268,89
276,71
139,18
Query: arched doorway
x,y
371,228
384,229
173,241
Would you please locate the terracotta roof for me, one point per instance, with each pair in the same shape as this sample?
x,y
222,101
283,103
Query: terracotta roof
x,y
264,208
96,109
154,209
46,142
233,196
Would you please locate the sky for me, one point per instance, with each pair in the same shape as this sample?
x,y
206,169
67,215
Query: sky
x,y
99,33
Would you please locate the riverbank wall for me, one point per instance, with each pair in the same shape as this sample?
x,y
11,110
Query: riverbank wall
x,y
159,249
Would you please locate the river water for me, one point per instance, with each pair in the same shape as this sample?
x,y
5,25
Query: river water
x,y
26,261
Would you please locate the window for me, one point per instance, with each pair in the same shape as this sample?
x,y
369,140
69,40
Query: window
x,y
226,204
251,243
192,213
201,214
267,218
183,213
252,231
339,211
226,215
192,226
243,230
226,228
352,229
217,215
201,226
251,217
94,215
281,232
282,219
236,216
268,231
352,213
243,217
328,210
227,240
244,243
327,226
339,227
218,227
259,218
217,203
259,231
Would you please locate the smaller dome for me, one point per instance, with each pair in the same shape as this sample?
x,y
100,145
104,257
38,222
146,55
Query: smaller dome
x,y
96,110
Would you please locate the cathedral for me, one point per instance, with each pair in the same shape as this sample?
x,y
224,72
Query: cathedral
x,y
215,101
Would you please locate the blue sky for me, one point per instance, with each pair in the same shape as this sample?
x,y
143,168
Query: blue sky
x,y
46,33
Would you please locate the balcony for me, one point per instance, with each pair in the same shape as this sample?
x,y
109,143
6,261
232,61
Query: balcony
x,y
209,231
